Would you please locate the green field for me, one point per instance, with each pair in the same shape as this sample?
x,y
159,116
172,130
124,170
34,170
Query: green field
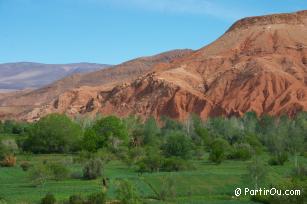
x,y
209,183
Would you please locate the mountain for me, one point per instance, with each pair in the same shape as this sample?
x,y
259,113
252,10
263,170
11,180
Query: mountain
x,y
24,75
259,64
23,102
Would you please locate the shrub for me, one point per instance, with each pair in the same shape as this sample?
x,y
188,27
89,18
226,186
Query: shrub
x,y
48,199
76,199
126,193
166,190
151,163
39,174
241,152
254,142
134,155
175,164
10,144
178,145
83,157
218,150
279,159
9,161
92,169
96,198
59,171
25,166
199,153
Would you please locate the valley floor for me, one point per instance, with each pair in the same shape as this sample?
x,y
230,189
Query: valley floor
x,y
208,183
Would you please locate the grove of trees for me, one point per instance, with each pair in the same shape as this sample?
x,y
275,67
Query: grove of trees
x,y
164,145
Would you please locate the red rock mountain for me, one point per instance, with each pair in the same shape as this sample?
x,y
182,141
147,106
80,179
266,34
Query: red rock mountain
x,y
15,105
259,64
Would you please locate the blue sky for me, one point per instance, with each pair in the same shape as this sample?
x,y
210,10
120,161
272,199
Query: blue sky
x,y
113,31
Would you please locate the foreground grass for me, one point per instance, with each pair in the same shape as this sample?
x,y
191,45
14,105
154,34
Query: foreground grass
x,y
209,183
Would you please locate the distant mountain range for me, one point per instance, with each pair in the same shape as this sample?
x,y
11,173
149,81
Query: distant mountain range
x,y
23,75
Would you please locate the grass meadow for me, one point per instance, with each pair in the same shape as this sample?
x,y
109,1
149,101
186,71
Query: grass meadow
x,y
208,183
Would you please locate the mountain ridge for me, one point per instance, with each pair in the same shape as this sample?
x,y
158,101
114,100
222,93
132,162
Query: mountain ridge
x,y
25,75
259,67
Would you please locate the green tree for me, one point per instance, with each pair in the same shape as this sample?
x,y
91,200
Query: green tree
x,y
170,125
151,131
276,140
177,144
250,122
90,141
112,131
54,133
219,148
200,135
8,126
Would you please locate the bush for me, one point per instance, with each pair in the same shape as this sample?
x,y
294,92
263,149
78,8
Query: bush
x,y
92,169
254,142
151,163
134,155
178,145
59,171
96,198
8,161
218,150
126,193
175,164
25,166
241,152
39,174
10,145
48,199
279,159
166,189
76,199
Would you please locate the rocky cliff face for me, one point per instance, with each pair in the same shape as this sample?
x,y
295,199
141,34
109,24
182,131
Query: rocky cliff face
x,y
259,64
